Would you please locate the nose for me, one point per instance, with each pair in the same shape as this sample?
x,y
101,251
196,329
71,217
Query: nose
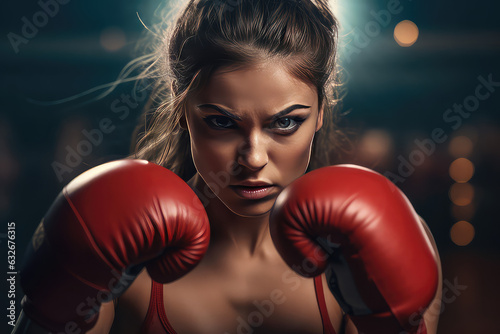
x,y
252,152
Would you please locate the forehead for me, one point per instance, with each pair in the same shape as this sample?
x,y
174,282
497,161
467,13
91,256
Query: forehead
x,y
263,86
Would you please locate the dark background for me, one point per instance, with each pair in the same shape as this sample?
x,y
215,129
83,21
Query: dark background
x,y
394,96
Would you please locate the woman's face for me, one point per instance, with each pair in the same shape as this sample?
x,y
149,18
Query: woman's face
x,y
252,125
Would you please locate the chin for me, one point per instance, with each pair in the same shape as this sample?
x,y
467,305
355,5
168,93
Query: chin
x,y
250,208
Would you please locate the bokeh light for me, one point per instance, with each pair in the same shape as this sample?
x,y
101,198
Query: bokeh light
x,y
375,145
462,233
461,170
460,147
406,33
461,194
113,39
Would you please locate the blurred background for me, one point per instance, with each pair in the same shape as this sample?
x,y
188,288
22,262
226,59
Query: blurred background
x,y
422,95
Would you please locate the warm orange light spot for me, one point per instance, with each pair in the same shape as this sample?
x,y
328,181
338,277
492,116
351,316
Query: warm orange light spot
x,y
406,33
461,194
462,233
460,147
461,170
375,144
113,39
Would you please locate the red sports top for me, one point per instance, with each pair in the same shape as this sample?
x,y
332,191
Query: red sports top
x,y
156,321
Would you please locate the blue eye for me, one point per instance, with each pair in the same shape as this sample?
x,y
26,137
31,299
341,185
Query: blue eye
x,y
285,122
285,125
219,122
289,124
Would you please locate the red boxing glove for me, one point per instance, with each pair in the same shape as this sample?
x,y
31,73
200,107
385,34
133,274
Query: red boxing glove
x,y
359,227
106,225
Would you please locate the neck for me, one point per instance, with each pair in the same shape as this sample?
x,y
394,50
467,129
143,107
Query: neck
x,y
248,236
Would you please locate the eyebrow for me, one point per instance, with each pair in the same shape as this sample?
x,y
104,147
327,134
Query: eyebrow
x,y
272,118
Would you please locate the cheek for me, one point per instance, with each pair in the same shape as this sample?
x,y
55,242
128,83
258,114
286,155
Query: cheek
x,y
210,153
293,158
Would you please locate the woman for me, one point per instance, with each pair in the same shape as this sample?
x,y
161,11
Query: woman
x,y
253,84
243,105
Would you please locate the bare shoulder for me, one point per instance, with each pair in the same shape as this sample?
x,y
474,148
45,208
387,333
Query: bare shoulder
x,y
132,306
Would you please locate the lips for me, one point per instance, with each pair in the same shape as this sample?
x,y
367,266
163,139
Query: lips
x,y
253,192
254,184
